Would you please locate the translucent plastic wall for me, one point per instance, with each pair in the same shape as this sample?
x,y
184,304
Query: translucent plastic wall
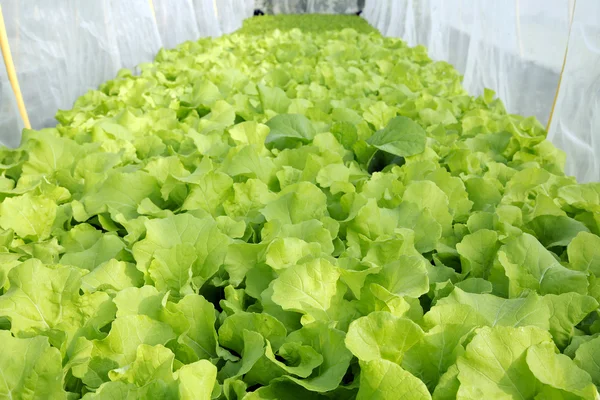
x,y
61,49
517,48
575,125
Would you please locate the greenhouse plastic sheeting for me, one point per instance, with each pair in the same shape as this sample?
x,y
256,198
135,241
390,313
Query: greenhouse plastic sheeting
x,y
207,17
62,49
248,8
575,125
9,113
225,14
308,6
516,49
176,21
135,31
231,13
59,50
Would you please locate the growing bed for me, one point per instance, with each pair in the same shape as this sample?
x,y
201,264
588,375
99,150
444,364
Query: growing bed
x,y
303,209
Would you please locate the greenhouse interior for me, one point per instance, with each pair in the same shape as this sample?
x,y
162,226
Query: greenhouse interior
x,y
300,199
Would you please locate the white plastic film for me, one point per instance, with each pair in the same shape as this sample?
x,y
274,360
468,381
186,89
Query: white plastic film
x,y
9,114
60,51
575,125
207,16
524,76
176,21
226,15
368,10
383,16
238,10
135,31
249,8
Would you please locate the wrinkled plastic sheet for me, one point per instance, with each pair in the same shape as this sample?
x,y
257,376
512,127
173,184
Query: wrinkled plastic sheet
x,y
58,52
176,21
575,126
9,114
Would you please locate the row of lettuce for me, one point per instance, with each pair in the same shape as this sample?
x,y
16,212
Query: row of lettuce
x,y
306,213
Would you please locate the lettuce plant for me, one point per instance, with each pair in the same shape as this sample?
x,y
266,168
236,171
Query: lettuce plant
x,y
311,212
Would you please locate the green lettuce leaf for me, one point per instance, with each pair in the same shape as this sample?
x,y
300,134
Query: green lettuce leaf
x,y
30,368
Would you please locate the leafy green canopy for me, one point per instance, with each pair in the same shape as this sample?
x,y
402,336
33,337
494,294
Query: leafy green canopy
x,y
317,23
308,214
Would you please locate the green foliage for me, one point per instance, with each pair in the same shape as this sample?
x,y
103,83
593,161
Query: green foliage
x,y
307,212
314,23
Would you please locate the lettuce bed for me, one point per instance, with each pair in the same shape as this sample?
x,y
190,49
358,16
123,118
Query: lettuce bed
x,y
288,214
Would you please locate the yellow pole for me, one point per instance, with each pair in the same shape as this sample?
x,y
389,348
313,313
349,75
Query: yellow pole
x,y
152,9
10,70
562,70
